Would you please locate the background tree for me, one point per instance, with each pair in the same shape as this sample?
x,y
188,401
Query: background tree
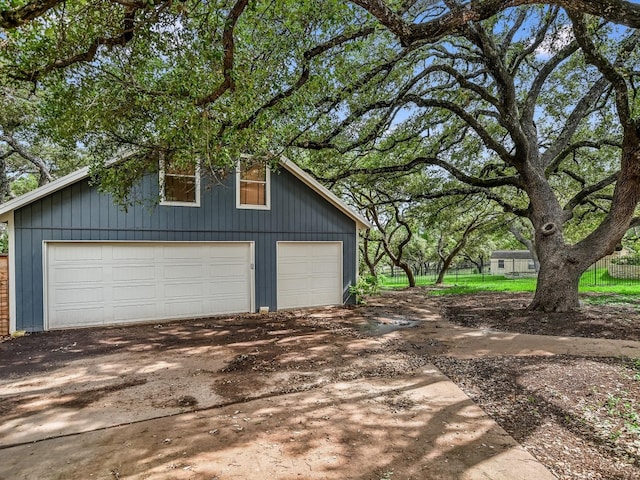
x,y
510,109
456,224
486,98
525,234
29,157
395,228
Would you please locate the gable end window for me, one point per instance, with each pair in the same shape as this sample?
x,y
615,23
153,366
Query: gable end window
x,y
253,189
179,184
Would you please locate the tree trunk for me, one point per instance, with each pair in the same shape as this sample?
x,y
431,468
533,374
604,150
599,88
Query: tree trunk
x,y
5,188
407,269
446,263
527,243
557,288
478,264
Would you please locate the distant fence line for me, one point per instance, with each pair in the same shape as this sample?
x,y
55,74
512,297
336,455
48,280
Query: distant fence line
x,y
602,273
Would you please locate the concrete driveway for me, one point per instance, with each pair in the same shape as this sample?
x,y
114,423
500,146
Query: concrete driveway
x,y
332,393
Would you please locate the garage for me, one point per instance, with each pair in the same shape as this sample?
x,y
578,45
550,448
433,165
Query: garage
x,y
309,274
101,283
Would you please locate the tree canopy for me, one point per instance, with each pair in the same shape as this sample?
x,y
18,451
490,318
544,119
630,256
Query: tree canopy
x,y
531,105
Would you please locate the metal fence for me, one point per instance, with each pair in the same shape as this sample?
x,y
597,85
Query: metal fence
x,y
612,271
605,272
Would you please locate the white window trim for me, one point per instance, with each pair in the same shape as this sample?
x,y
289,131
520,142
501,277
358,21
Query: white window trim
x,y
267,190
171,203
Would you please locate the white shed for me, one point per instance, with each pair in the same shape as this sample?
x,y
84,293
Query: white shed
x,y
512,262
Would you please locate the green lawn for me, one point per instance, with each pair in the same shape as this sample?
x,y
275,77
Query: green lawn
x,y
592,281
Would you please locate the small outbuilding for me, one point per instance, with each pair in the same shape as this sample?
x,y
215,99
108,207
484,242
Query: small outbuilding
x,y
512,263
260,239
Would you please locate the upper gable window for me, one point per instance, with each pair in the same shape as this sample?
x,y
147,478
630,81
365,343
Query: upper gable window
x,y
179,183
252,184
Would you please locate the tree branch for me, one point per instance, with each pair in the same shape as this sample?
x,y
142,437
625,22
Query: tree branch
x,y
553,166
469,119
228,45
583,194
24,153
430,161
616,11
578,114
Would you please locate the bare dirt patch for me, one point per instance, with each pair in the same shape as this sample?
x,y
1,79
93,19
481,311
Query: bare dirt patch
x,y
334,393
507,312
579,415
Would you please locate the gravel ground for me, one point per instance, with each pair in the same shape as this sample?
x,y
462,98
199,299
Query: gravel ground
x,y
580,416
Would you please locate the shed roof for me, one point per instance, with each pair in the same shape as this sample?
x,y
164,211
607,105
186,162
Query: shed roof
x,y
81,174
512,254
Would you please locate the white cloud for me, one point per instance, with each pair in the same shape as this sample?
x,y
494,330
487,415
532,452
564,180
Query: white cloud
x,y
555,41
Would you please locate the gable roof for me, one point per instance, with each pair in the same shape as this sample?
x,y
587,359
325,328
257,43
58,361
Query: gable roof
x,y
296,171
512,254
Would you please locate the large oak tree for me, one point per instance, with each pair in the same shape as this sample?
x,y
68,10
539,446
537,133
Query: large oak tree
x,y
494,97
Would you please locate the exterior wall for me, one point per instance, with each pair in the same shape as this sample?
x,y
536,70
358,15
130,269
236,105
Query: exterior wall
x,y
511,266
80,212
4,295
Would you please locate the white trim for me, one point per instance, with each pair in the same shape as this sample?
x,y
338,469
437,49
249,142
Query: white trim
x,y
357,247
43,191
361,222
59,184
12,272
45,309
173,203
267,189
252,275
45,282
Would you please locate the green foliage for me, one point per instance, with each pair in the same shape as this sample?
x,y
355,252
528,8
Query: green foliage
x,y
628,294
24,184
625,409
478,112
365,286
4,241
627,260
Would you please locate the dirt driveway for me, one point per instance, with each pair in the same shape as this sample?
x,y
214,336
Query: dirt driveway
x,y
327,394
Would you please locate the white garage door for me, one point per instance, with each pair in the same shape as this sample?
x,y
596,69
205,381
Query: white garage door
x,y
89,283
309,274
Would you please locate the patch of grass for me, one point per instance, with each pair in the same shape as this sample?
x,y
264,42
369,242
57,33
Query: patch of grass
x,y
624,409
475,283
612,299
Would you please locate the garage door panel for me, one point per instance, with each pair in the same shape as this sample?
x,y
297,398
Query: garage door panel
x,y
309,274
182,290
66,274
320,283
176,253
78,295
122,313
87,317
125,273
229,289
182,308
130,282
181,271
79,255
323,267
133,253
133,292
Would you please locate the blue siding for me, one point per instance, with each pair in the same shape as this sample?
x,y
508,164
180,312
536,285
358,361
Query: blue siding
x,y
80,212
